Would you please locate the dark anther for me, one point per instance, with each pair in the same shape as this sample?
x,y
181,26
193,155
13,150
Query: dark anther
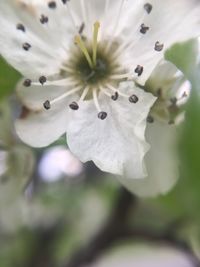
x,y
158,46
159,92
115,96
44,19
150,119
133,99
26,46
27,83
171,122
42,79
20,27
65,1
144,28
52,4
174,100
148,7
81,29
47,105
74,106
102,115
139,70
184,94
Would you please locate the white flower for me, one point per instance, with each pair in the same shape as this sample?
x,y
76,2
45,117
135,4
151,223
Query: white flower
x,y
162,131
82,60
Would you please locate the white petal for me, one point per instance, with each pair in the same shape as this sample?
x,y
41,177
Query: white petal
x,y
169,22
116,144
34,96
161,162
39,127
48,41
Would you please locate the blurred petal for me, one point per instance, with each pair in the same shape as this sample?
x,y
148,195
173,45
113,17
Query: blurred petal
x,y
161,162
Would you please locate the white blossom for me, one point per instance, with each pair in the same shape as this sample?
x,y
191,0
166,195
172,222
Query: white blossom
x,y
84,63
162,132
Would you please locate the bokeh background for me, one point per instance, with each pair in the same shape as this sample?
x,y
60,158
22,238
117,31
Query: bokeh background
x,y
56,211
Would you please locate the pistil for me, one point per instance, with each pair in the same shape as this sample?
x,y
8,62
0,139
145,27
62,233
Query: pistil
x,y
95,41
83,48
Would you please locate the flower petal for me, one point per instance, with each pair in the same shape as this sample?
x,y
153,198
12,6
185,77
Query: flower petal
x,y
34,96
116,144
161,162
165,29
39,127
46,44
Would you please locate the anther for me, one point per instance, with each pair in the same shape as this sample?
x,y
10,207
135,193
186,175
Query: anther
x,y
150,119
26,46
102,115
74,106
148,7
158,46
27,83
20,27
171,122
139,70
65,1
52,4
133,99
42,79
144,28
184,94
159,92
81,29
47,105
44,19
174,100
115,96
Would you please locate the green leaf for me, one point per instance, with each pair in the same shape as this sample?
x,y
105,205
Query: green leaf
x,y
8,78
184,56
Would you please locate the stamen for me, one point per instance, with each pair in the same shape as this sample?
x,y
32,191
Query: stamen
x,y
63,82
133,99
84,94
102,115
158,46
20,27
74,106
27,83
95,98
115,90
150,119
115,96
68,93
42,80
119,76
95,41
47,105
104,91
83,48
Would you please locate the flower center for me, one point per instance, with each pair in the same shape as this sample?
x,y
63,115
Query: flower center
x,y
93,69
91,63
96,73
